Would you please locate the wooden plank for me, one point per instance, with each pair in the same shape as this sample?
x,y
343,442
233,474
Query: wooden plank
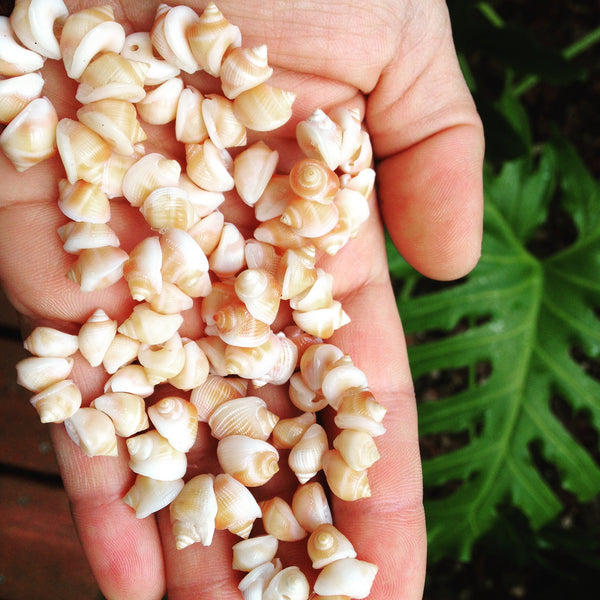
x,y
25,439
40,554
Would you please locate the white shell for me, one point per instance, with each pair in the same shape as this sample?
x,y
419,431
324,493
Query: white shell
x,y
189,123
358,448
236,507
31,136
252,171
159,105
33,22
322,322
127,411
339,378
209,167
255,551
57,402
176,419
243,69
358,409
253,363
14,58
314,362
162,361
348,576
87,33
148,173
211,37
98,268
255,582
193,512
149,326
211,393
306,457
93,431
169,35
147,496
320,137
287,432
195,367
279,520
251,461
310,506
228,257
345,482
48,341
142,270
138,47
248,415
152,455
290,583
95,337
78,236
304,398
184,263
130,378
16,92
37,373
122,351
224,128
327,544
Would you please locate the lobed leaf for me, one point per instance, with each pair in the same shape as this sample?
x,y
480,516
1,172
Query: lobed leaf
x,y
525,319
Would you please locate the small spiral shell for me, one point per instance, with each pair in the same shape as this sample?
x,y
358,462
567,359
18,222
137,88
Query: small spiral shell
x,y
95,336
248,416
87,33
344,482
236,507
313,180
147,495
30,137
279,520
347,576
93,432
152,455
193,512
36,373
310,506
17,92
15,59
127,412
306,456
254,551
34,23
251,461
57,402
327,544
176,420
211,37
169,35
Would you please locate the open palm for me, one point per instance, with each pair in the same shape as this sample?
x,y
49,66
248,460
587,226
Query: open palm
x,y
395,62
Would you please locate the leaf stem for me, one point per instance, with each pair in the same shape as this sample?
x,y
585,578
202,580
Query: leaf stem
x,y
575,49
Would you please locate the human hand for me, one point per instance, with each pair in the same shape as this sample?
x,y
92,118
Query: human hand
x,y
396,63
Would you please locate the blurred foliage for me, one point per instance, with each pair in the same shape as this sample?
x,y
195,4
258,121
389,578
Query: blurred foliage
x,y
506,360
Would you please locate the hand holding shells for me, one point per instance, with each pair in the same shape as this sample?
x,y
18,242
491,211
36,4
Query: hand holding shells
x,y
200,210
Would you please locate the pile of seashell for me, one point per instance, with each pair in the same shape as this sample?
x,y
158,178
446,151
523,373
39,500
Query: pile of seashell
x,y
197,260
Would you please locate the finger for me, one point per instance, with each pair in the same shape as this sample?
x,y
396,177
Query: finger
x,y
428,137
124,552
394,512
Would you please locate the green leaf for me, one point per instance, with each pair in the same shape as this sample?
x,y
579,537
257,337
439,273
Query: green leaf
x,y
511,330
